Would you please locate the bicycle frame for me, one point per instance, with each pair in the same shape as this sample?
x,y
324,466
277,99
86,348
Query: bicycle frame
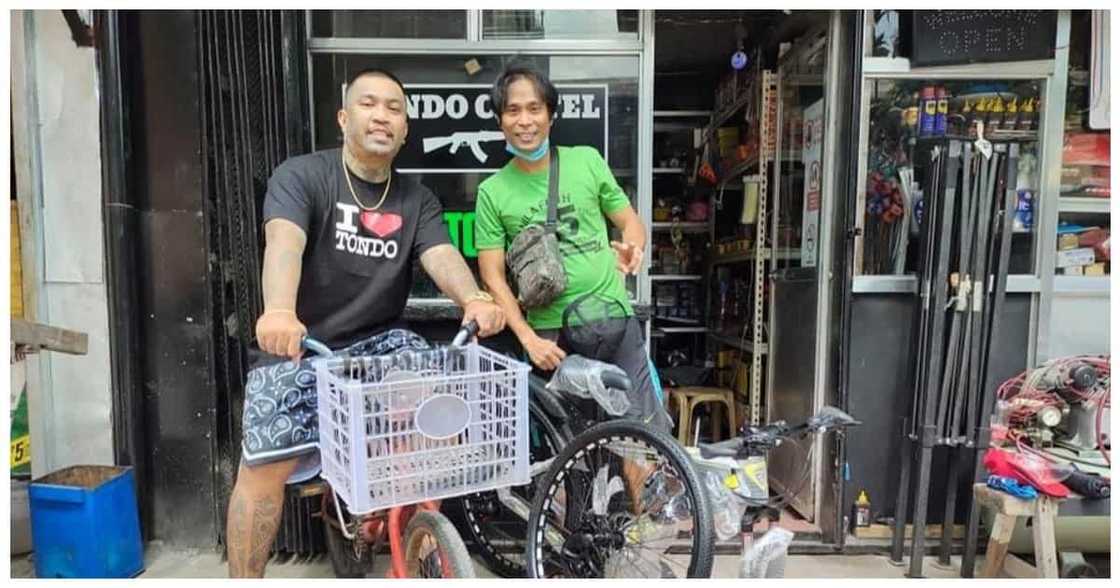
x,y
374,527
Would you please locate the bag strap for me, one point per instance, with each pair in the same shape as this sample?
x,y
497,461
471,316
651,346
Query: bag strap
x,y
553,187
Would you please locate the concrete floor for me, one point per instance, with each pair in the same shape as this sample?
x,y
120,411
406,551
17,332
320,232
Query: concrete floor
x,y
167,563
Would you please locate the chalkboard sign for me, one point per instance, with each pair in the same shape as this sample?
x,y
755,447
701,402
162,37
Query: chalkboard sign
x,y
951,37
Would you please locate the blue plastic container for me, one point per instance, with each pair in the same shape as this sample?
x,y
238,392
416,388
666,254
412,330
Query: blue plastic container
x,y
85,524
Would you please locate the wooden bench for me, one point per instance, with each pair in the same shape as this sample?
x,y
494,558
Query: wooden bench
x,y
1043,510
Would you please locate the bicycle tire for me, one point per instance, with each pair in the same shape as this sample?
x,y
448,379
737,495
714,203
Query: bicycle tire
x,y
452,552
703,529
345,563
480,531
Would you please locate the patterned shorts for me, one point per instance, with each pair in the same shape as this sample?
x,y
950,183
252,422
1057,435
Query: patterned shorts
x,y
281,418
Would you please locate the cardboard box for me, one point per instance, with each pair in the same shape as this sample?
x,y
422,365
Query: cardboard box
x,y
1068,241
1096,269
742,379
1072,257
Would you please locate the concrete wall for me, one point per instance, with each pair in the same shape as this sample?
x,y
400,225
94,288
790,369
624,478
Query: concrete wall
x,y
56,139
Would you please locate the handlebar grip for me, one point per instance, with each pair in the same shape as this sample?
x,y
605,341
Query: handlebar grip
x,y
616,381
466,333
316,346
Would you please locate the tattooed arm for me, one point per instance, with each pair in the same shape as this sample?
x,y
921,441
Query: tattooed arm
x,y
449,271
278,329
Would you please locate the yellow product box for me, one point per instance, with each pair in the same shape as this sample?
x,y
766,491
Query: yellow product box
x,y
1067,241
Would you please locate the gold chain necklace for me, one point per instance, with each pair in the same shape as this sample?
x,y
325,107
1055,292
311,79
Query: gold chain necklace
x,y
349,184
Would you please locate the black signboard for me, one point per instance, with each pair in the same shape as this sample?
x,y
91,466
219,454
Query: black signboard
x,y
451,127
951,37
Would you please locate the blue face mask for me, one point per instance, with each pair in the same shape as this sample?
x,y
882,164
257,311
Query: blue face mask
x,y
534,155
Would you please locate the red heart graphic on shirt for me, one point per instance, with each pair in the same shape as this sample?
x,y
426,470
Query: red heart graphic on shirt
x,y
381,224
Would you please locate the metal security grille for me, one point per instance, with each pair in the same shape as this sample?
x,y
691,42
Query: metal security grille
x,y
251,75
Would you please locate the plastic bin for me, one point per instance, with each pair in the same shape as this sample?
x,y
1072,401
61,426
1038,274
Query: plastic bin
x,y
85,524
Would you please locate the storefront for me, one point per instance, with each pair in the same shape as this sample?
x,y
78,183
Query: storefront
x,y
731,131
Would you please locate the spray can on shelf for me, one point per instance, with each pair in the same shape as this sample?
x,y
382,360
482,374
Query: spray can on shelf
x,y
926,122
979,114
862,509
912,112
995,117
1011,116
1028,115
941,119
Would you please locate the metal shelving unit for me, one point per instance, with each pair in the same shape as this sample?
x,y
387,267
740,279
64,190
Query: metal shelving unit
x,y
1081,204
746,345
765,84
678,121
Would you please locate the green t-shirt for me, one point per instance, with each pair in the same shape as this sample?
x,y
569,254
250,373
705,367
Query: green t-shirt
x,y
511,199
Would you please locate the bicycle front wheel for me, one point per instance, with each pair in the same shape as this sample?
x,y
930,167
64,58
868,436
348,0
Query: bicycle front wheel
x,y
434,549
621,501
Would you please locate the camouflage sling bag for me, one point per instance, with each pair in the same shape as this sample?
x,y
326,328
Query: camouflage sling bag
x,y
534,255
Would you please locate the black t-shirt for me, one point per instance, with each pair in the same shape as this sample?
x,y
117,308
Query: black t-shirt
x,y
357,265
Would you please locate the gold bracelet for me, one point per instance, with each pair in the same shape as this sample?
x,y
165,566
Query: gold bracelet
x,y
480,295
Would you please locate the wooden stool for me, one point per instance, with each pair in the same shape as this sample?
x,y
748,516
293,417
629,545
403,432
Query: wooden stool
x,y
688,397
1008,510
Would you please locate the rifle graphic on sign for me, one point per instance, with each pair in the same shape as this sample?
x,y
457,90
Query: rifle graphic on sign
x,y
456,140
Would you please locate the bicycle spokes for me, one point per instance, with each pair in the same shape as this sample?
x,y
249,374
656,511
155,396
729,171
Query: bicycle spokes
x,y
619,510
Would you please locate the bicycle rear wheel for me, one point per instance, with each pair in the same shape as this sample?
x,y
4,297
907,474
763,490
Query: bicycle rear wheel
x,y
621,500
434,549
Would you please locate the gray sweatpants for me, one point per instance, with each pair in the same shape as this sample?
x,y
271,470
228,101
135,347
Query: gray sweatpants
x,y
647,402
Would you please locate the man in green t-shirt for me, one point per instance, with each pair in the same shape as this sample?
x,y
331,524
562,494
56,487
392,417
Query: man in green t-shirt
x,y
525,103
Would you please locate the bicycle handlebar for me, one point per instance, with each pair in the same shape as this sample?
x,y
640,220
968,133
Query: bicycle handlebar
x,y
469,330
616,381
466,333
759,440
315,345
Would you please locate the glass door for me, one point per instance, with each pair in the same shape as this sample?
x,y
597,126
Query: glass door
x,y
795,229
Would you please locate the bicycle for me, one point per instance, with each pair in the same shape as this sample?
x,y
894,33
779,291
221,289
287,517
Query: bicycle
x,y
432,424
735,475
570,413
637,468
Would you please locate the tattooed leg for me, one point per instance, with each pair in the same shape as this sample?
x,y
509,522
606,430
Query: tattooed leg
x,y
254,514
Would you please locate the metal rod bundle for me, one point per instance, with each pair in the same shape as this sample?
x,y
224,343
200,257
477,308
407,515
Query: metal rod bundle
x,y
965,245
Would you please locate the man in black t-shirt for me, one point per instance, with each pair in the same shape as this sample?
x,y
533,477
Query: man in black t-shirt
x,y
342,232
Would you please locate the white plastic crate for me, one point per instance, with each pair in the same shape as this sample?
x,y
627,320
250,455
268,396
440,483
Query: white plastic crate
x,y
422,425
